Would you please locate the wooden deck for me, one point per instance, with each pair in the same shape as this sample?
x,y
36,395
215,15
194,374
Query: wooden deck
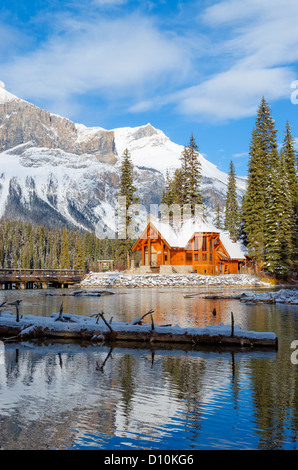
x,y
29,278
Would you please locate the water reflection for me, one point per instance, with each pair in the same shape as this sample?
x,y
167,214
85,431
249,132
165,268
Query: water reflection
x,y
60,395
63,395
169,305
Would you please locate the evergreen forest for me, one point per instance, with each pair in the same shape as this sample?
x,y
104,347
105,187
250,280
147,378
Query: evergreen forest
x,y
266,220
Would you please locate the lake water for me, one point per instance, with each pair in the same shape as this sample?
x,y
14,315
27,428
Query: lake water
x,y
61,395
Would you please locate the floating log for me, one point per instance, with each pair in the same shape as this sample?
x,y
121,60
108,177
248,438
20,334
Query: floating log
x,y
89,328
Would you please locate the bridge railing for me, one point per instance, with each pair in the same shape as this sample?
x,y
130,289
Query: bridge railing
x,y
53,273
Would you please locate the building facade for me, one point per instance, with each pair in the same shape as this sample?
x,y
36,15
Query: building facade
x,y
188,247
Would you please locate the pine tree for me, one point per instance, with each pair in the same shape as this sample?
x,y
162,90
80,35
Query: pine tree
x,y
290,159
279,221
191,176
217,221
127,191
167,192
232,220
79,262
263,158
172,194
65,251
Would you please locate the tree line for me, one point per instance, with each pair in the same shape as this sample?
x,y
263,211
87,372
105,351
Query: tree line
x,y
30,246
266,219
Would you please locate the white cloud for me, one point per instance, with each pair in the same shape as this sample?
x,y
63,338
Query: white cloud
x,y
255,51
108,2
112,57
221,66
234,94
262,45
240,155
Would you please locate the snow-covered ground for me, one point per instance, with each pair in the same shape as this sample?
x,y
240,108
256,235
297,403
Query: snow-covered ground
x,y
117,279
288,296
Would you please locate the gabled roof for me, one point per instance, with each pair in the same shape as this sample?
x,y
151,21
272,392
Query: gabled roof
x,y
234,249
178,236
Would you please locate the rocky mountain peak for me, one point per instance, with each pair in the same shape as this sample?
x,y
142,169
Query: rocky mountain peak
x,y
57,172
21,122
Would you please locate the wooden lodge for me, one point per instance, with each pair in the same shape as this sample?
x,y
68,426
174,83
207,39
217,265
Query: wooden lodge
x,y
197,247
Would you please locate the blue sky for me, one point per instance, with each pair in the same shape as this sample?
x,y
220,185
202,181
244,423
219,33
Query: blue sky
x,y
186,67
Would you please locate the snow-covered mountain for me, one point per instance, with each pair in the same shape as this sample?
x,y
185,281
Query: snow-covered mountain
x,y
56,172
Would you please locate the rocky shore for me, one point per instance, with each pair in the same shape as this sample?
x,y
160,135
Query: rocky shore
x,y
117,279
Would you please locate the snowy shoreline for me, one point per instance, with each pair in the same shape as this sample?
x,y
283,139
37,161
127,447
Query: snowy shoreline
x,y
116,279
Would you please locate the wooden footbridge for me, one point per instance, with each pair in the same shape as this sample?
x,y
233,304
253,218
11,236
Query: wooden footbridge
x,y
38,278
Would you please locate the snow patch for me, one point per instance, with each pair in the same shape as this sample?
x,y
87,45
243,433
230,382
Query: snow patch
x,y
117,279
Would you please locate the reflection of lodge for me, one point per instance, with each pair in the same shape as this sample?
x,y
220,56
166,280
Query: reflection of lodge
x,y
191,247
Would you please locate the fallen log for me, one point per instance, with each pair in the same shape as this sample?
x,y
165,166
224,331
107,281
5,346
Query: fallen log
x,y
89,328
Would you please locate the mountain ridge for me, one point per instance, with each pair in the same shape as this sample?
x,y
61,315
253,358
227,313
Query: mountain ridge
x,y
60,172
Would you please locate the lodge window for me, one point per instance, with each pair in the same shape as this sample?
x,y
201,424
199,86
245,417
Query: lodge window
x,y
210,257
196,256
204,256
196,243
204,245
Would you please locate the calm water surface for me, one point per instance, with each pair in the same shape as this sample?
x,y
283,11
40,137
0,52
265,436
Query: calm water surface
x,y
60,395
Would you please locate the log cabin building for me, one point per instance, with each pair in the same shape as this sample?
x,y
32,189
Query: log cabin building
x,y
197,247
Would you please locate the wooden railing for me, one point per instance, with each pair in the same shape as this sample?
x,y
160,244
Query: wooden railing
x,y
19,274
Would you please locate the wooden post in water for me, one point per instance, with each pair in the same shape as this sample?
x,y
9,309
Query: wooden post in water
x,y
232,324
16,303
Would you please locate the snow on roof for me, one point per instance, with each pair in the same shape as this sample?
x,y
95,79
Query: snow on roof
x,y
233,248
180,235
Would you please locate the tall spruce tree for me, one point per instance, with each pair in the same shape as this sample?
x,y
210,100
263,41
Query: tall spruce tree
x,y
232,216
167,193
65,258
263,157
191,176
218,217
172,193
79,261
127,190
290,162
279,221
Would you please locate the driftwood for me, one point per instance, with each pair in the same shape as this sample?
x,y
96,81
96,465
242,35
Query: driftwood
x,y
16,303
3,303
147,336
124,332
139,321
78,293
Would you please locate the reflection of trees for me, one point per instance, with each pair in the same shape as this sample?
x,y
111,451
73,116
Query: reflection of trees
x,y
275,385
196,380
127,376
60,396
